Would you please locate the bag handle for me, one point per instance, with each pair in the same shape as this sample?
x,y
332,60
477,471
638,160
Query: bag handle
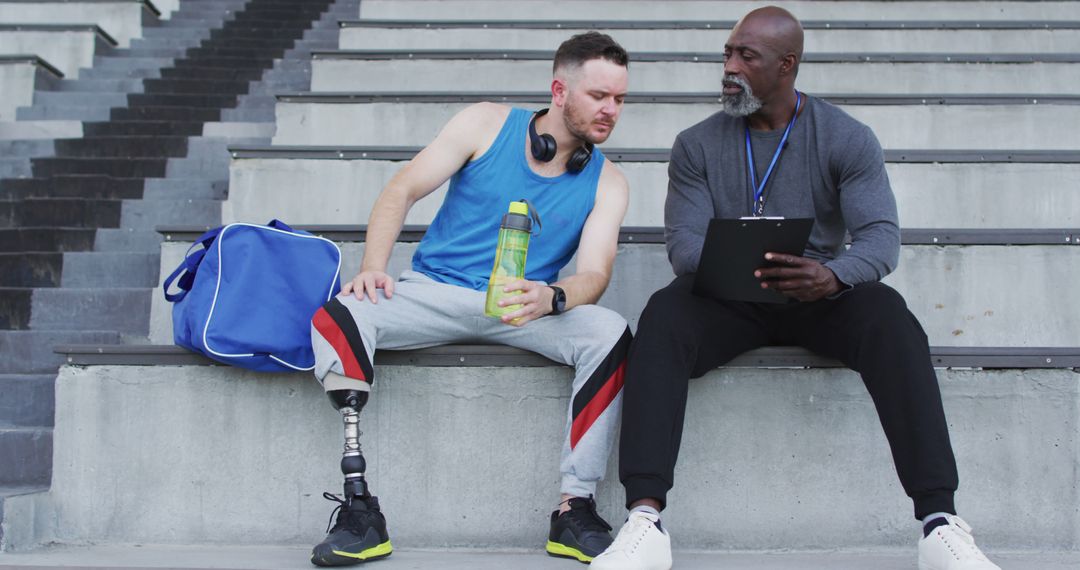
x,y
189,267
280,225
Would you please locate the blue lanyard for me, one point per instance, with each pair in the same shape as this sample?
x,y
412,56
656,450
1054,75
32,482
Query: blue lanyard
x,y
759,189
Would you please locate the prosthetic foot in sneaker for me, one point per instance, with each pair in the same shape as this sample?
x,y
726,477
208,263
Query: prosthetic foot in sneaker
x,y
579,533
951,547
359,535
642,544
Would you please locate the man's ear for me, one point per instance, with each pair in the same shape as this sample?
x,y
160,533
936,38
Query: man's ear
x,y
559,92
788,64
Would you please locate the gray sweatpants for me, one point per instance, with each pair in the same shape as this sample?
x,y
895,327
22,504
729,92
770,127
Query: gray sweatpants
x,y
424,312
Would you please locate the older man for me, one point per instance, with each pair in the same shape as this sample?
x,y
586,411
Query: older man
x,y
775,151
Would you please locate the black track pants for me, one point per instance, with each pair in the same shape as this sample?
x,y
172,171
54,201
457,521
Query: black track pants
x,y
869,328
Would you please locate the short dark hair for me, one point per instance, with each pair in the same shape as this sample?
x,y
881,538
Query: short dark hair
x,y
575,51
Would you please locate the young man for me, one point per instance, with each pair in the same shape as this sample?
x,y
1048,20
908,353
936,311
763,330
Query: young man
x,y
829,167
494,155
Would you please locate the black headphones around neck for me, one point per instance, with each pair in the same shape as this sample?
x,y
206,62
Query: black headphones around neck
x,y
544,148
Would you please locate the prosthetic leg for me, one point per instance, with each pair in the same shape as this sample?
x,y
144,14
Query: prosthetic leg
x,y
360,533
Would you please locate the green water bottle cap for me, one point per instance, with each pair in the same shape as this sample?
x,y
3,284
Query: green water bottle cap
x,y
519,208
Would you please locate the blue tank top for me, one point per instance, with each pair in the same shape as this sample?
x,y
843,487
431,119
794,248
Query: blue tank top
x,y
459,246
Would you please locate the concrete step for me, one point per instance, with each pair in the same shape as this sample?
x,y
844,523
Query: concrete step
x,y
61,112
102,86
185,188
120,73
121,20
93,99
936,193
964,295
218,99
202,74
25,130
199,86
26,453
27,400
66,48
172,114
31,352
712,10
344,71
118,309
139,126
126,239
15,168
26,148
316,120
131,63
109,269
835,38
35,269
826,458
148,214
158,51
278,557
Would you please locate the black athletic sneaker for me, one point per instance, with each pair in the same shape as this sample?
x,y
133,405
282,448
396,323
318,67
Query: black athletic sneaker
x,y
358,535
579,533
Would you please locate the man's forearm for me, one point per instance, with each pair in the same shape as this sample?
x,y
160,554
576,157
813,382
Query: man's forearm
x,y
583,288
384,226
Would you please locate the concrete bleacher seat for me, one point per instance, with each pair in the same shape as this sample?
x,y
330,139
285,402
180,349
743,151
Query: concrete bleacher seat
x,y
20,76
933,10
494,70
67,47
976,288
653,120
782,449
706,36
934,189
123,20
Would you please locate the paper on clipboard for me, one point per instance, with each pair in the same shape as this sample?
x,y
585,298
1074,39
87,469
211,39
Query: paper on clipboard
x,y
734,248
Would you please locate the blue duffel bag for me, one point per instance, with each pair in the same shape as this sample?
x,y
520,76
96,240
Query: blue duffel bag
x,y
246,296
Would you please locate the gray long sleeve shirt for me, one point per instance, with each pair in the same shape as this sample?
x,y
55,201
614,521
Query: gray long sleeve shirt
x,y
833,170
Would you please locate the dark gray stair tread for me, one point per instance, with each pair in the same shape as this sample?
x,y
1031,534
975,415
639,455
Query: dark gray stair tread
x,y
715,57
209,73
111,269
145,146
569,24
64,212
72,186
15,309
498,355
26,453
127,240
144,127
31,352
110,166
27,400
655,235
679,98
85,85
223,98
31,269
170,114
46,239
26,148
193,85
652,154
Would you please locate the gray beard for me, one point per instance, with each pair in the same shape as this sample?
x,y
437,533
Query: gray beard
x,y
742,104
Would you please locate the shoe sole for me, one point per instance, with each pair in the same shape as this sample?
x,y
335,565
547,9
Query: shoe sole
x,y
348,558
562,551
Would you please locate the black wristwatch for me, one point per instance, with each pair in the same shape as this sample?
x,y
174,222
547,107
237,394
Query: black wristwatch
x,y
558,301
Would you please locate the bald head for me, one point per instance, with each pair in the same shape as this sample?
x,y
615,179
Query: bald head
x,y
774,28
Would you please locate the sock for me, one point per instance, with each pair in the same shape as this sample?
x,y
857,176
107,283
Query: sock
x,y
933,521
645,509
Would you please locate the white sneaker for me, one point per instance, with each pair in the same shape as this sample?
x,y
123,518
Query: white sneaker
x,y
642,544
951,547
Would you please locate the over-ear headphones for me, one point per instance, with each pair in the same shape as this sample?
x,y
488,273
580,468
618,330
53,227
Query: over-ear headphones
x,y
544,147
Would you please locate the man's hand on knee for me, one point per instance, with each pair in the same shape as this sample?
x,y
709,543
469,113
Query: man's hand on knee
x,y
798,277
368,282
534,298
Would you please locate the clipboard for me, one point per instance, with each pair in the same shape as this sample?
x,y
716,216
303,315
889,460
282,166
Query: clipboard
x,y
735,248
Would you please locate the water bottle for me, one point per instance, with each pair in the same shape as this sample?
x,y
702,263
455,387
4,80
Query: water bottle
x,y
509,258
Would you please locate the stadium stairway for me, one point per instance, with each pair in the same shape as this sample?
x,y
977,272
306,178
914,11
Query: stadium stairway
x,y
136,140
782,450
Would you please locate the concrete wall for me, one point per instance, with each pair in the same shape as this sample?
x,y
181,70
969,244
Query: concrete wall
x,y
17,85
654,125
712,10
487,76
712,40
771,459
967,195
121,19
67,51
962,295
